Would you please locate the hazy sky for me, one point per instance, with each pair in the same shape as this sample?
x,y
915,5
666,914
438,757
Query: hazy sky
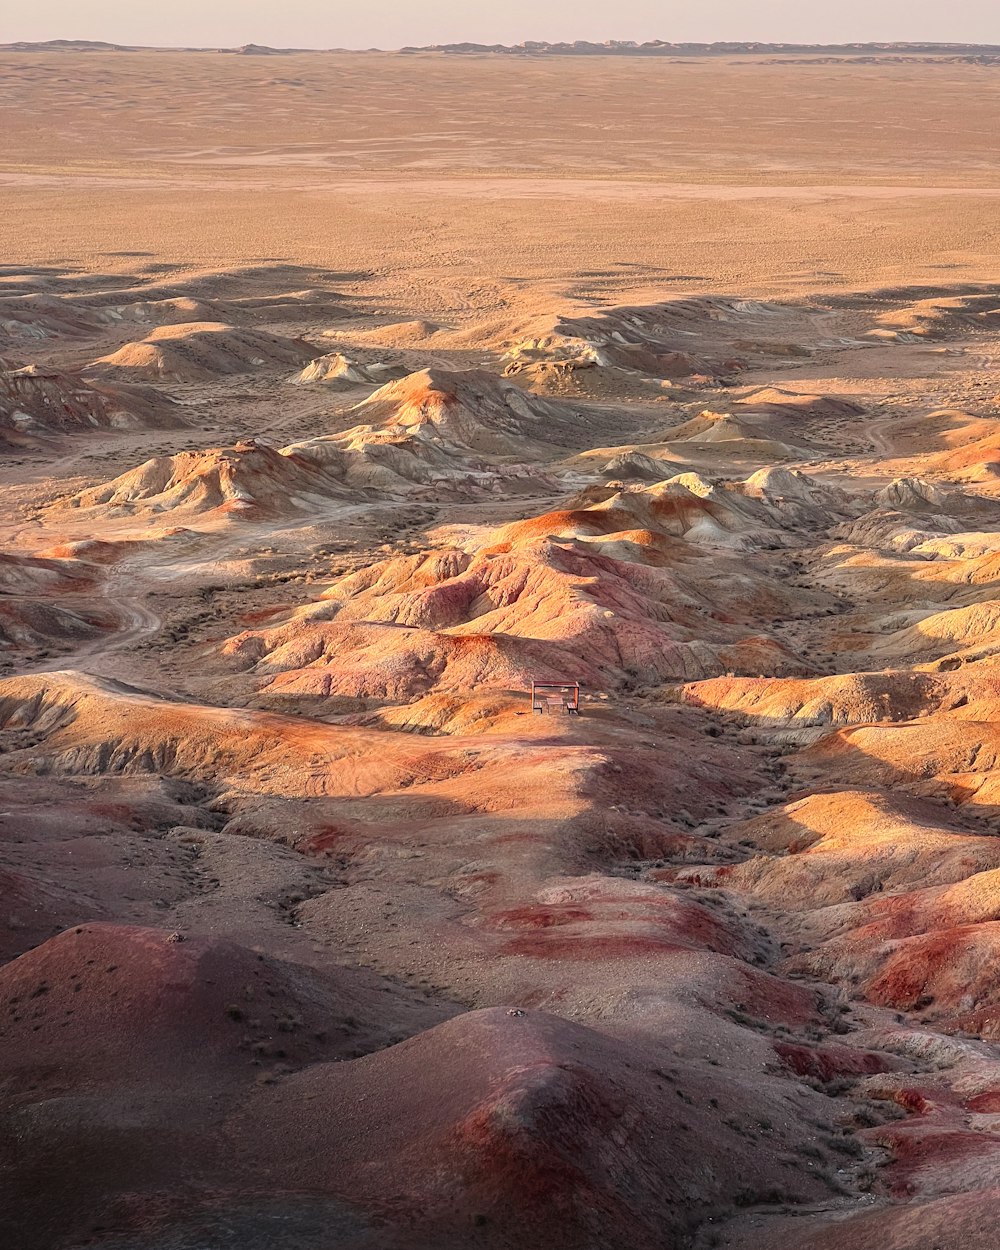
x,y
392,23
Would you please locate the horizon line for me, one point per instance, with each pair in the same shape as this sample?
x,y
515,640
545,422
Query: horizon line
x,y
540,46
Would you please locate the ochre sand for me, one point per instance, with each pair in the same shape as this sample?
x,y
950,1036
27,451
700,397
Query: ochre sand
x,y
468,180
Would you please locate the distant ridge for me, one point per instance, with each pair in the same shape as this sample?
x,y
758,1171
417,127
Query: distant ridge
x,y
99,45
985,53
659,47
68,45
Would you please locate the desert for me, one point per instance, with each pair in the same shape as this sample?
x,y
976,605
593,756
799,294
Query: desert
x,y
343,396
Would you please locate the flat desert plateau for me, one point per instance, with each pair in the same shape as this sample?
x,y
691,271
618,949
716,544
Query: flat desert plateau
x,y
343,396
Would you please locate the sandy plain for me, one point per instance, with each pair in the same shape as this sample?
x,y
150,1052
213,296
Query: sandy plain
x,y
343,395
456,173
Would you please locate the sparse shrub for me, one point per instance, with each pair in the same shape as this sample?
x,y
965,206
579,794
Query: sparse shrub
x,y
849,1146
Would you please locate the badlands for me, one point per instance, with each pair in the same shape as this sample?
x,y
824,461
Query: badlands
x,y
342,397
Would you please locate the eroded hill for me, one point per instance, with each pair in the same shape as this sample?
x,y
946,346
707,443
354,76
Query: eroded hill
x,y
314,932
